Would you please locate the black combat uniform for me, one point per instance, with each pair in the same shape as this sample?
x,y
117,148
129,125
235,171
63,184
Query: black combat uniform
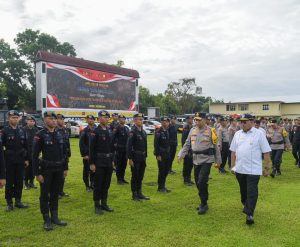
x,y
51,166
137,152
295,140
162,149
188,159
120,136
87,175
15,155
29,178
2,163
173,144
101,155
114,123
65,133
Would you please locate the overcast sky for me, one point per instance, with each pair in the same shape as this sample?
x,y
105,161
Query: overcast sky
x,y
236,49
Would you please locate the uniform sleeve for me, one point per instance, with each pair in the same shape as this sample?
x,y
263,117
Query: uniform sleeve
x,y
92,144
233,145
186,147
184,136
36,149
129,145
156,143
2,164
263,143
82,146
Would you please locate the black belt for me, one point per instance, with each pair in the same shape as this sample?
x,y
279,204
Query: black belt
x,y
105,155
209,151
280,142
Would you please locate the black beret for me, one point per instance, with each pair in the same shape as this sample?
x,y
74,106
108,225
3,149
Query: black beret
x,y
122,116
114,114
29,117
90,116
60,116
138,115
164,119
49,114
103,114
246,117
13,113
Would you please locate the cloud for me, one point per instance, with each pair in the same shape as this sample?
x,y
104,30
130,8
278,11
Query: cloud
x,y
235,49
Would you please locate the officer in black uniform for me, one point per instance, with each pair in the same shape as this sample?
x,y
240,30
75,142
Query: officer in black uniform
x,y
173,142
65,133
2,165
16,158
162,153
188,159
87,175
101,162
30,130
295,140
115,121
50,169
137,154
120,136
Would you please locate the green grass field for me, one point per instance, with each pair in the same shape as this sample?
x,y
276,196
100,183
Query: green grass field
x,y
167,219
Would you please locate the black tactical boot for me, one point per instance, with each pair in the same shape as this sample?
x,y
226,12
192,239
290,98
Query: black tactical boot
x,y
10,206
105,207
249,220
273,173
142,197
55,220
47,222
202,209
98,209
19,204
135,196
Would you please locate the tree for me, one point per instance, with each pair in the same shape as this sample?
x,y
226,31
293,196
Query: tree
x,y
145,99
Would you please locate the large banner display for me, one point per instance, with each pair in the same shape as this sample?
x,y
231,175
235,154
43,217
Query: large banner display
x,y
73,87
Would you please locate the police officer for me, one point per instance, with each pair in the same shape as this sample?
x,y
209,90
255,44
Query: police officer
x,y
65,133
279,141
87,174
30,130
137,154
120,137
295,140
16,159
162,153
188,159
223,137
173,129
233,127
203,142
101,162
50,169
115,121
2,165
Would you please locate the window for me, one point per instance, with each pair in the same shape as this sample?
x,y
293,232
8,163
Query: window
x,y
230,107
265,107
243,107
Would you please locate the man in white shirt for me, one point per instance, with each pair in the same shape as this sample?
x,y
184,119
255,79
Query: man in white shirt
x,y
247,147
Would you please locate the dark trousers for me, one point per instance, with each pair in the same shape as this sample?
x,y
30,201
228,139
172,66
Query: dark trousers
x,y
229,158
50,189
29,177
187,168
62,184
201,173
121,163
102,181
14,181
163,170
87,174
296,151
276,157
224,154
137,175
249,191
173,149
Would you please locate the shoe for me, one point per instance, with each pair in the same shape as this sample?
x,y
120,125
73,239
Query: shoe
x,y
135,197
19,204
47,223
249,220
203,209
120,182
55,220
222,171
278,173
273,173
98,209
105,207
171,172
188,184
164,190
88,189
143,197
125,182
9,207
63,194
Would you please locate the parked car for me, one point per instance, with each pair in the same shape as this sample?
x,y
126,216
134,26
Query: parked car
x,y
152,123
73,128
149,129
